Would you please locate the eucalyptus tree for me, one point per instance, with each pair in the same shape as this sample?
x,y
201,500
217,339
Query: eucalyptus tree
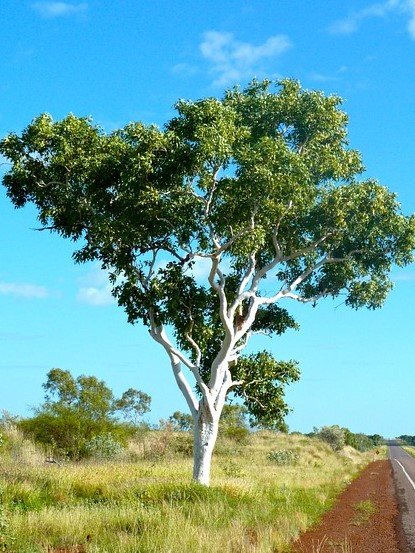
x,y
259,188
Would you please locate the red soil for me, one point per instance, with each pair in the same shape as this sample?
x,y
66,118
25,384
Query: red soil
x,y
356,527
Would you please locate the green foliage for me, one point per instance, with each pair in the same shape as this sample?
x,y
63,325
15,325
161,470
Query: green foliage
x,y
233,470
183,422
263,387
362,442
103,446
233,423
333,435
262,179
234,415
284,457
6,539
376,439
410,440
133,404
183,444
364,511
78,417
338,437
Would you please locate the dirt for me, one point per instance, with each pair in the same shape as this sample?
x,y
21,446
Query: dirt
x,y
365,518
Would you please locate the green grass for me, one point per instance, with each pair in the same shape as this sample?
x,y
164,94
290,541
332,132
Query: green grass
x,y
364,510
150,506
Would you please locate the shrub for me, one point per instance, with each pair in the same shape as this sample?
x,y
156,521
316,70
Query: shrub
x,y
5,537
233,470
233,423
77,410
103,446
284,457
236,433
184,445
333,435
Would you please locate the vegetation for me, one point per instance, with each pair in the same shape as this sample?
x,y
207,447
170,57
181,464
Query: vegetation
x,y
143,502
409,449
338,437
409,440
181,421
262,187
78,418
334,436
364,511
284,457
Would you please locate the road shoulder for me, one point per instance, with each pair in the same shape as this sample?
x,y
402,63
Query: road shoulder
x,y
365,518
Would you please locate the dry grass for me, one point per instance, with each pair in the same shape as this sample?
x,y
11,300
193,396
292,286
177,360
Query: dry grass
x,y
146,506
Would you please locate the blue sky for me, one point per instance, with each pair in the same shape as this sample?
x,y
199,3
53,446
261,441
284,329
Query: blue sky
x,y
131,60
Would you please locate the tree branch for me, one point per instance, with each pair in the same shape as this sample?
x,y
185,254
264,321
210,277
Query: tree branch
x,y
239,234
159,336
196,348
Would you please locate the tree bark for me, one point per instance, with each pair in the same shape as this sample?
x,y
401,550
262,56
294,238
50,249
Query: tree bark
x,y
205,433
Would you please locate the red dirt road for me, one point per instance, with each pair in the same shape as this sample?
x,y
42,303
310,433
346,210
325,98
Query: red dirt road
x,y
365,518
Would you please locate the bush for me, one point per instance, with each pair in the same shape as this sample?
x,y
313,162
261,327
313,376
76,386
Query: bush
x,y
5,538
78,410
284,457
184,445
233,470
333,435
103,446
236,433
233,423
67,432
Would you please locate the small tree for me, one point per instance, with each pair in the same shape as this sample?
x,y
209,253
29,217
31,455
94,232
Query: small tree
x,y
259,186
133,404
334,436
79,414
181,421
376,439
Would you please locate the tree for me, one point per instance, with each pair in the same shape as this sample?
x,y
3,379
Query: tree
x,y
79,410
86,394
334,436
181,421
377,439
133,404
259,187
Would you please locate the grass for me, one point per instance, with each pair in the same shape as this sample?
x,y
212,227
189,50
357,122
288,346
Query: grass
x,y
364,510
149,505
409,449
342,547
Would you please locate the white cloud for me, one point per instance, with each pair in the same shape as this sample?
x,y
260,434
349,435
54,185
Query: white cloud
x,y
97,296
325,78
95,289
232,60
185,69
352,23
59,9
23,290
404,276
411,22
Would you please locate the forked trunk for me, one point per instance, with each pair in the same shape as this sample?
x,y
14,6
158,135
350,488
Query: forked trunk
x,y
205,434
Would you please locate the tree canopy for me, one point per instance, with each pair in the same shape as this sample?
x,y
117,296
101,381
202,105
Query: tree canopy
x,y
78,410
259,187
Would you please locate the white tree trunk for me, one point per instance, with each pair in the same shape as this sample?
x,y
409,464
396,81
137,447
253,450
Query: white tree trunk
x,y
205,434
